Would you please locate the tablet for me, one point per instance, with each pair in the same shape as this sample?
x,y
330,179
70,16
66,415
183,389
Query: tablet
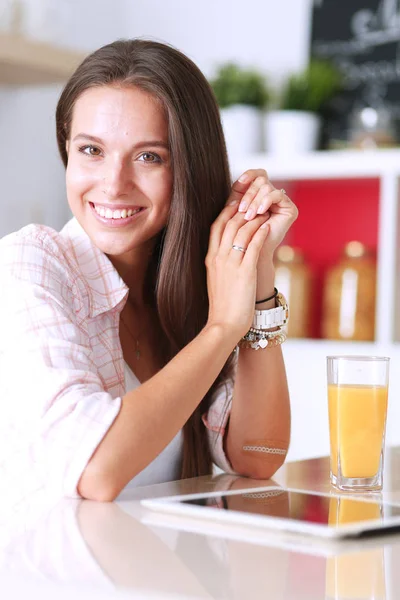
x,y
274,508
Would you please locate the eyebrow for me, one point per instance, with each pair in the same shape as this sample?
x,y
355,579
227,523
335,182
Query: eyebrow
x,y
141,144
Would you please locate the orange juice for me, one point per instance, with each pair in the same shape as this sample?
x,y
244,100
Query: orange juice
x,y
360,574
360,412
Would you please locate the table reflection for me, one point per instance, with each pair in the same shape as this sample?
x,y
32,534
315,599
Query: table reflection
x,y
103,545
343,511
359,575
108,546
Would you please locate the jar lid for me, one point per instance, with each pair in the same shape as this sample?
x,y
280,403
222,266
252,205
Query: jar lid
x,y
355,249
288,254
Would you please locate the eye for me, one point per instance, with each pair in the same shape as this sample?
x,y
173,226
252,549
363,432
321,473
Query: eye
x,y
150,157
90,150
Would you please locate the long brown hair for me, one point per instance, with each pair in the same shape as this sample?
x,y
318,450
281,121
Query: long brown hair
x,y
201,185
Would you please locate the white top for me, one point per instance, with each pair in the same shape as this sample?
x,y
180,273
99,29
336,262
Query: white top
x,y
167,465
60,305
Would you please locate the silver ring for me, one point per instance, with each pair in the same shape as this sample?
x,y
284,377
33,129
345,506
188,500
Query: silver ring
x,y
283,192
234,247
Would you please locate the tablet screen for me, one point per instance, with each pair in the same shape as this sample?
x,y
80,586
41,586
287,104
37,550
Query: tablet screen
x,y
301,506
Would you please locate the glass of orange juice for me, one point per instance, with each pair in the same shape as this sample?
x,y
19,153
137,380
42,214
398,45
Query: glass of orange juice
x,y
357,399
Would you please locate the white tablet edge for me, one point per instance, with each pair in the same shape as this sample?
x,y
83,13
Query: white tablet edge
x,y
171,505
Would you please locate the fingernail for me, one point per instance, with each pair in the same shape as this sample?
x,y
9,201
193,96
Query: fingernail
x,y
250,214
233,202
264,225
242,206
243,178
260,209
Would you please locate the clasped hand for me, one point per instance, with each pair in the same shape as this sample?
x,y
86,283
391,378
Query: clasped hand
x,y
256,218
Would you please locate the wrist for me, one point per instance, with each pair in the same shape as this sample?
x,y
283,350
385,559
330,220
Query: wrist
x,y
222,335
265,285
266,302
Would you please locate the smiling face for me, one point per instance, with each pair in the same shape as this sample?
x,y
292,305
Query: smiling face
x,y
119,177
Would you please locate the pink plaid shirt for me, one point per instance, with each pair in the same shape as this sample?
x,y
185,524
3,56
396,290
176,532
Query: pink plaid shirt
x,y
61,363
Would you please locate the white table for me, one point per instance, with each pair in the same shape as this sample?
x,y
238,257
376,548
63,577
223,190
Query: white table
x,y
81,549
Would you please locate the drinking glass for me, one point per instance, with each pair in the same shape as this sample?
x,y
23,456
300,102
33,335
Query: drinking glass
x,y
357,398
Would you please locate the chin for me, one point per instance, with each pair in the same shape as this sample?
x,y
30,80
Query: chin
x,y
115,244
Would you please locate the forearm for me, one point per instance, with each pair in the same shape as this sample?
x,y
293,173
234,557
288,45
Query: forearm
x,y
260,413
152,414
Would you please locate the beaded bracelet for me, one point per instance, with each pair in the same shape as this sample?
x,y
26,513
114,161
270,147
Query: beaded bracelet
x,y
256,341
270,333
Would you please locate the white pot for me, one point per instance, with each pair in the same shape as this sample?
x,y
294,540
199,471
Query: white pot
x,y
243,129
291,131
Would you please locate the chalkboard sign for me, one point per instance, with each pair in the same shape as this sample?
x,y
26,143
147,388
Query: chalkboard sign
x,y
363,38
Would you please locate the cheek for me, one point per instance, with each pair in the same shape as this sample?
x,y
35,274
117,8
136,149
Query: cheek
x,y
167,193
166,200
78,180
166,186
158,188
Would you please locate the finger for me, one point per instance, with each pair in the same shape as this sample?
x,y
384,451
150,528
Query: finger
x,y
255,245
241,185
253,190
238,252
278,202
238,232
218,227
259,203
230,233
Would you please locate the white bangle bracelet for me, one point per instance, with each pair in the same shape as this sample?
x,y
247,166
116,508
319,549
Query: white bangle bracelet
x,y
273,317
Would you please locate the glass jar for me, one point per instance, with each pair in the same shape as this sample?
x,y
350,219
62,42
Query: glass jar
x,y
293,279
349,296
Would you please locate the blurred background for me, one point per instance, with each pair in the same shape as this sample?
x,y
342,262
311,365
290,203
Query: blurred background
x,y
211,33
310,91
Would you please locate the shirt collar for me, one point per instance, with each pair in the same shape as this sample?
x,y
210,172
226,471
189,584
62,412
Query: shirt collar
x,y
106,288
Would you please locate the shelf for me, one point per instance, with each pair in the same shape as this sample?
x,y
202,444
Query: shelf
x,y
344,195
25,62
321,165
333,212
341,195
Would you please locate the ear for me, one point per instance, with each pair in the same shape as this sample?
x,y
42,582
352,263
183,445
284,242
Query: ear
x,y
67,147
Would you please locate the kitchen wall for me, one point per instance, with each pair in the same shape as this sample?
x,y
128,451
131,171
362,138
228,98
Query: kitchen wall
x,y
270,34
31,173
210,31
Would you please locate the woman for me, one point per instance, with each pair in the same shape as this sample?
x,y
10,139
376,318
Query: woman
x,y
120,331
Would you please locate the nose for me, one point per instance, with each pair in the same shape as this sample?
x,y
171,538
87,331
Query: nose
x,y
117,179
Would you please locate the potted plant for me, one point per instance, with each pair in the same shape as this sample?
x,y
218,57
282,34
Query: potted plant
x,y
295,126
242,94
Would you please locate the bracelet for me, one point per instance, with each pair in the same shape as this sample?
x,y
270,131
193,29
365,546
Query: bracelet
x,y
274,295
269,333
262,334
251,341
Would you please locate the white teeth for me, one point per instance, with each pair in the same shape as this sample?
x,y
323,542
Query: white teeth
x,y
116,214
